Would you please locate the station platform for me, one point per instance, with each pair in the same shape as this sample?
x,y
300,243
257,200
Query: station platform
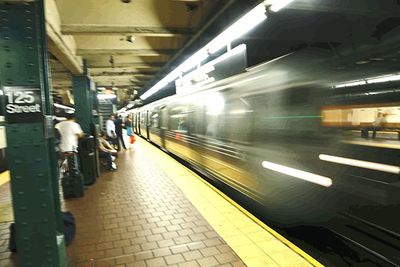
x,y
153,211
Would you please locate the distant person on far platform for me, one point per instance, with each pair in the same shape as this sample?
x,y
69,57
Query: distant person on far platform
x,y
110,129
379,123
118,130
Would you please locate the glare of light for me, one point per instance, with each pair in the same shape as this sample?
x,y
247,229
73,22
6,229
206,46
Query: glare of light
x,y
238,29
279,4
386,78
240,111
215,103
349,84
130,105
361,164
63,107
306,176
106,96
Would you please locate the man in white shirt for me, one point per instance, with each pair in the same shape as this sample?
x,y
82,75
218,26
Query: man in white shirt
x,y
70,132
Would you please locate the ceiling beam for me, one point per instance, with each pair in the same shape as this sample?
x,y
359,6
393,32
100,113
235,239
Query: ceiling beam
x,y
113,74
138,52
128,64
98,29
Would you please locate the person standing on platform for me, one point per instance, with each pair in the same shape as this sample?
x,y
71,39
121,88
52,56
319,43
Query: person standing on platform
x,y
118,130
110,130
129,130
70,132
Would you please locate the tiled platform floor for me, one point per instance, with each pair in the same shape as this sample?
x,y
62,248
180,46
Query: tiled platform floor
x,y
137,216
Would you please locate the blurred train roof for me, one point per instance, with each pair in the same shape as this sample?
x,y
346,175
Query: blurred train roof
x,y
103,36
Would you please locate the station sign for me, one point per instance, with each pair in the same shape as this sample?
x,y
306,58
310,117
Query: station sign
x,y
226,65
22,104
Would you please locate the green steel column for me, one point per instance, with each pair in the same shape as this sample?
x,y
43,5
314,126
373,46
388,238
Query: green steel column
x,y
30,152
83,97
81,86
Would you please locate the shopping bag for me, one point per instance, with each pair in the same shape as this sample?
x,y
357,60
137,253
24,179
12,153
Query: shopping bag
x,y
133,139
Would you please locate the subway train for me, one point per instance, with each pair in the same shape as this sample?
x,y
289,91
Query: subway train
x,y
313,138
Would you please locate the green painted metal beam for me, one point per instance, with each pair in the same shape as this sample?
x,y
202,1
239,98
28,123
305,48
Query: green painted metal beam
x,y
30,151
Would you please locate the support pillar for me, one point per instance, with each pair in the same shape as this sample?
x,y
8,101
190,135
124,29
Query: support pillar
x,y
30,152
83,89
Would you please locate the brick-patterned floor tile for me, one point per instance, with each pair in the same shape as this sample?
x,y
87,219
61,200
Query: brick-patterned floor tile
x,y
208,262
177,258
136,217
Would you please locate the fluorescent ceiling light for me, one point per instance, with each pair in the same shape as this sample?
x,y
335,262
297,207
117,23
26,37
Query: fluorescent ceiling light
x,y
371,80
130,105
279,4
361,164
238,29
106,96
306,176
193,61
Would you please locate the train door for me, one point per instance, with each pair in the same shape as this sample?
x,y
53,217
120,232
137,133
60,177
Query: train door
x,y
148,124
138,123
164,124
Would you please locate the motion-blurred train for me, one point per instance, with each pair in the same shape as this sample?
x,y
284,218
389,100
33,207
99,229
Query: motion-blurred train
x,y
297,135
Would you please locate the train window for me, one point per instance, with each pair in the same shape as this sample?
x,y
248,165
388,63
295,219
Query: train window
x,y
155,120
379,121
179,122
179,119
234,122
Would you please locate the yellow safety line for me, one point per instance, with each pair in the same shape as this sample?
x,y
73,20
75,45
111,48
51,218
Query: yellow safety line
x,y
296,249
4,177
292,246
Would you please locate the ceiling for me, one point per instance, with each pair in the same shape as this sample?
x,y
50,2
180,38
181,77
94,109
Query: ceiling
x,y
123,45
130,46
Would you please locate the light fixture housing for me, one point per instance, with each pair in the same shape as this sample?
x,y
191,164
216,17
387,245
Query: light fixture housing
x,y
236,30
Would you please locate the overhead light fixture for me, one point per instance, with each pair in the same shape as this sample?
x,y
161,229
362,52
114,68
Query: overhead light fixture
x,y
378,79
279,4
194,60
130,38
106,96
236,30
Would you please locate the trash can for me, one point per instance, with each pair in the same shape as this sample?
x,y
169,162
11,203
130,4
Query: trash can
x,y
87,152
